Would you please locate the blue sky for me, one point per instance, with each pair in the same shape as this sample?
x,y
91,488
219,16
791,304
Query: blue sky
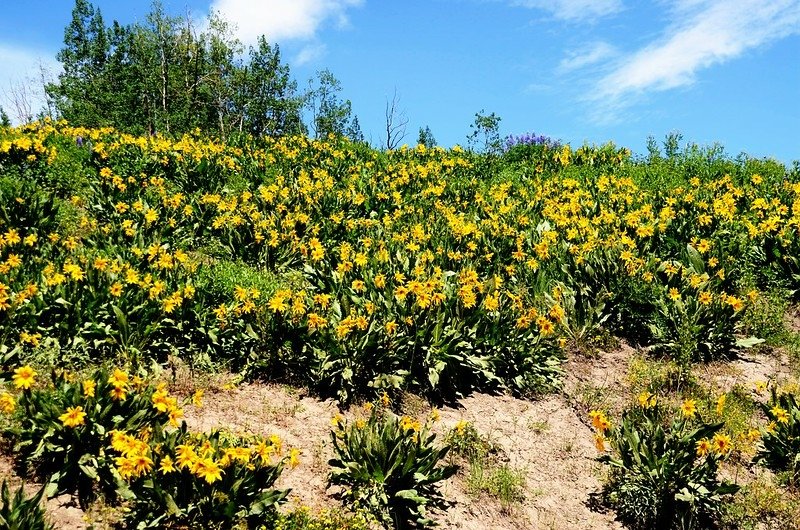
x,y
724,71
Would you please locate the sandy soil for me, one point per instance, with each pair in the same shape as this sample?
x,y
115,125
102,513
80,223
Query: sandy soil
x,y
547,439
554,448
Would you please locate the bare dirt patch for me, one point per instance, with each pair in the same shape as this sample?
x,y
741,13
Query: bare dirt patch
x,y
599,382
545,439
554,449
747,368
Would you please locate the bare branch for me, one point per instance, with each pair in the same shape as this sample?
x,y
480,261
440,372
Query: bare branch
x,y
21,98
396,122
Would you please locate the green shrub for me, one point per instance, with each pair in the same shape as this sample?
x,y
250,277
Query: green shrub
x,y
390,466
21,513
694,324
780,441
62,430
664,473
179,478
761,505
304,519
220,280
763,318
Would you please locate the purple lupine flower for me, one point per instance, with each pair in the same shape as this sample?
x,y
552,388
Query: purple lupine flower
x,y
529,139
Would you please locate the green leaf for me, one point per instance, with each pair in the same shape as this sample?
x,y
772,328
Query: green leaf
x,y
749,342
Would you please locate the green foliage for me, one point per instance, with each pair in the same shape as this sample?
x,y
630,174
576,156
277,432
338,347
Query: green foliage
x,y
5,121
688,327
485,135
426,137
764,317
484,474
390,467
68,451
220,280
465,440
736,409
653,375
330,115
215,479
780,441
163,75
23,205
664,476
761,505
21,512
268,101
505,483
304,519
433,348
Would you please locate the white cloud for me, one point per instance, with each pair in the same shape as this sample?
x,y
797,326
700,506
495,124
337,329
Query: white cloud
x,y
703,33
281,20
310,53
574,10
587,56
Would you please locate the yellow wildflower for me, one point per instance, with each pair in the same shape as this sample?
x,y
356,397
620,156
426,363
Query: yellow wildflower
x,y
24,377
689,408
73,417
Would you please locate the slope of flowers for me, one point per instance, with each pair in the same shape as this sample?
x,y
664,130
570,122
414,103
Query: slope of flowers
x,y
348,269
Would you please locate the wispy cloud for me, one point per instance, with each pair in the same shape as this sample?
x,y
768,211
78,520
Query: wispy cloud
x,y
309,53
281,20
20,82
16,63
703,33
586,56
574,10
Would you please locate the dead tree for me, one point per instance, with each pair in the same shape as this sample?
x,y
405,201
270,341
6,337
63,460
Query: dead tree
x,y
396,122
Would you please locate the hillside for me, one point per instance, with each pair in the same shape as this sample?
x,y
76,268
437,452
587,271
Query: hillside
x,y
186,321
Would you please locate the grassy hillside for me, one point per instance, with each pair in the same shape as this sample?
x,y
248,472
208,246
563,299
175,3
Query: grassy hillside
x,y
367,275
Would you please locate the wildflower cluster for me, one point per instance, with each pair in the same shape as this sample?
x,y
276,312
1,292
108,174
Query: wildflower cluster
x,y
115,434
529,139
60,426
663,464
180,477
362,256
780,438
389,465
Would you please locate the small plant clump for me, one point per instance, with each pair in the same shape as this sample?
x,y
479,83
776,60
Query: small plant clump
x,y
20,512
663,465
485,474
390,466
780,441
303,518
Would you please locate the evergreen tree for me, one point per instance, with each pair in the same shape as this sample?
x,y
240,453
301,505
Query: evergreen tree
x,y
426,137
5,121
